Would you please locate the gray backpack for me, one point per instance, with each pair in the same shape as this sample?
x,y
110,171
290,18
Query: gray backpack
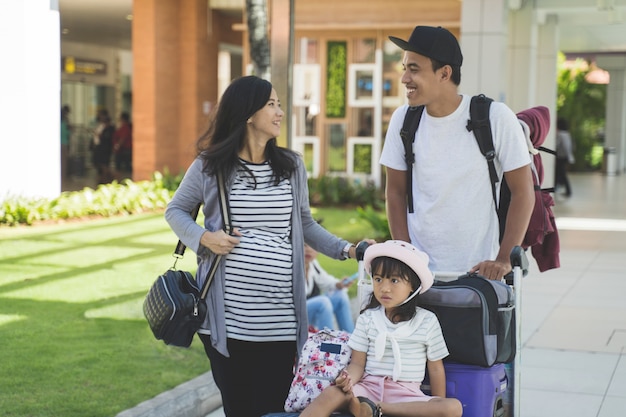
x,y
477,318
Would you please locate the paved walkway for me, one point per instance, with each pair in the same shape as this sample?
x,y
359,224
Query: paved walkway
x,y
574,318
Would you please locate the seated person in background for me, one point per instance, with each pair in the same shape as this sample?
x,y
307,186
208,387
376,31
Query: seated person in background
x,y
326,296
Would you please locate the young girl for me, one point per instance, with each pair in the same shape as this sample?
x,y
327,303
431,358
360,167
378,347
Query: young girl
x,y
393,342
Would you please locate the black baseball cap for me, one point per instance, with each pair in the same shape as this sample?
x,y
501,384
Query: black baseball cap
x,y
433,42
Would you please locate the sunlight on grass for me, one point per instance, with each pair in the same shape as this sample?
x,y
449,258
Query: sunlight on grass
x,y
82,285
167,238
10,318
130,310
28,247
85,256
12,273
98,283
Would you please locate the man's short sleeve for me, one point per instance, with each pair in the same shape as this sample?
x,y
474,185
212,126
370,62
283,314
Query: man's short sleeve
x,y
508,138
392,155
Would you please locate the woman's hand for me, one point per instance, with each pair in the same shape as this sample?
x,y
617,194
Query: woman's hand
x,y
219,242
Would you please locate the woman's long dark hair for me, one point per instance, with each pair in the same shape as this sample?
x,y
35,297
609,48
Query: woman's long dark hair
x,y
385,267
219,146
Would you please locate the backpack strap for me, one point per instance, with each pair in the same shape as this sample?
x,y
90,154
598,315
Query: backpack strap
x,y
480,125
539,187
407,133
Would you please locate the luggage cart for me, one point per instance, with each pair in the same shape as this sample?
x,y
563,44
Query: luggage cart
x,y
484,390
519,262
489,376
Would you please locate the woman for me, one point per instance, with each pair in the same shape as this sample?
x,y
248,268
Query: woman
x,y
256,320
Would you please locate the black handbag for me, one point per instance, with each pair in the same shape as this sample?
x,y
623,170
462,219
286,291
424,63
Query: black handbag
x,y
175,307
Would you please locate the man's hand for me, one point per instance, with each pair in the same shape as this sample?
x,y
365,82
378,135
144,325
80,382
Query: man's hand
x,y
494,270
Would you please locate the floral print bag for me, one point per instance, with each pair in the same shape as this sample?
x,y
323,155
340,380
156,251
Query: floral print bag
x,y
324,355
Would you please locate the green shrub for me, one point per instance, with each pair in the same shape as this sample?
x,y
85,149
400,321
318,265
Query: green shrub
x,y
331,190
377,220
336,79
583,105
106,200
130,197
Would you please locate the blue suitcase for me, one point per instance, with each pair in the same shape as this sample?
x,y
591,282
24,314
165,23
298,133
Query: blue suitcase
x,y
481,390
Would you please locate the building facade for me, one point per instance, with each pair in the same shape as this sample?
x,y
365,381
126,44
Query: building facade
x,y
336,71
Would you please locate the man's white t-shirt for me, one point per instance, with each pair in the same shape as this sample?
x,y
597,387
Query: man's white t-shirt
x,y
454,219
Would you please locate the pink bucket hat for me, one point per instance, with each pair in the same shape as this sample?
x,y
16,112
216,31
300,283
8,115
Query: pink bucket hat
x,y
404,252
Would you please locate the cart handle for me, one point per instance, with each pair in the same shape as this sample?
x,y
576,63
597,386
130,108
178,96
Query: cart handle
x,y
518,260
360,250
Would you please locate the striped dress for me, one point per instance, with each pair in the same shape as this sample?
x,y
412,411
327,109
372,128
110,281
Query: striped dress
x,y
258,293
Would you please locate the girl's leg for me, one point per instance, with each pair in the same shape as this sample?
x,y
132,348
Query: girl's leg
x,y
342,310
320,312
436,407
255,379
330,400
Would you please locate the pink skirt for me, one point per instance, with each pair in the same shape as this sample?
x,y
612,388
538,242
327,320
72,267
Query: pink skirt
x,y
385,389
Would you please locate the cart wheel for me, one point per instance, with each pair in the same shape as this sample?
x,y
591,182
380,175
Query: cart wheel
x,y
498,408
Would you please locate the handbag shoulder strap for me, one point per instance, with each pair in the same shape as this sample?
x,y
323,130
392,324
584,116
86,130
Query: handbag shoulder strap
x,y
225,210
224,206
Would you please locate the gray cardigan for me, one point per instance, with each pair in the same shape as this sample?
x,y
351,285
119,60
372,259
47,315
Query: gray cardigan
x,y
197,187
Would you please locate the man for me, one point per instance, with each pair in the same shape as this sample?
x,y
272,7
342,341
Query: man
x,y
454,219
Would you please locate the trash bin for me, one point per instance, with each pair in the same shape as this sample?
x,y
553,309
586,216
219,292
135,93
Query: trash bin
x,y
610,160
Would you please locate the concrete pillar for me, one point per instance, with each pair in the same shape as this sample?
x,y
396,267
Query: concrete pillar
x,y
175,48
483,43
546,86
30,110
615,130
281,46
522,58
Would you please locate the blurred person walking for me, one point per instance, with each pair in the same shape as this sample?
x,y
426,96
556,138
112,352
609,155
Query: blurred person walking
x,y
564,155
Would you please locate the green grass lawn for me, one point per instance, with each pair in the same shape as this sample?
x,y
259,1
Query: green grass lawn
x,y
73,338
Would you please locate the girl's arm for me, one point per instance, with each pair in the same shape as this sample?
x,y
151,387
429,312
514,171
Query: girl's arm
x,y
353,372
437,375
